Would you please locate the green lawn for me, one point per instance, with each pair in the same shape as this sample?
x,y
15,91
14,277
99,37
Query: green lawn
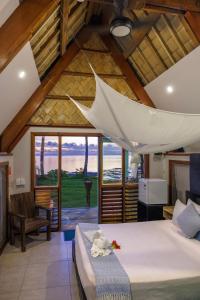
x,y
73,192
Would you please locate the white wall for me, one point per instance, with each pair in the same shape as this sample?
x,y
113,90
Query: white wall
x,y
14,92
9,159
7,7
159,165
184,76
22,155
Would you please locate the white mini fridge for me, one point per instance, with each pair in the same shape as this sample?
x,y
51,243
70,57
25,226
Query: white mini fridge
x,y
153,191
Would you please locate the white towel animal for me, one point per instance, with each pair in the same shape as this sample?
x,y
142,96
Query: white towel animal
x,y
100,247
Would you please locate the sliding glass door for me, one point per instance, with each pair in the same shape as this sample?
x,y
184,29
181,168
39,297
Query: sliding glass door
x,y
79,171
84,172
65,175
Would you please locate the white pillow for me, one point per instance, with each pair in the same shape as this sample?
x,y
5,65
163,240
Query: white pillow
x,y
189,221
197,206
178,209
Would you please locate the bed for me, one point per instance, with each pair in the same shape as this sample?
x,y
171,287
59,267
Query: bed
x,y
160,262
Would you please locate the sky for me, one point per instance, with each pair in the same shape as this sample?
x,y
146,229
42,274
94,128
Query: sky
x,y
71,139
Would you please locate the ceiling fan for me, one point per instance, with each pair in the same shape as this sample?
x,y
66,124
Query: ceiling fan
x,y
120,25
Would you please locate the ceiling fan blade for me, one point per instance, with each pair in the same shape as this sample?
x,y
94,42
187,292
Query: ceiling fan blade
x,y
101,29
144,22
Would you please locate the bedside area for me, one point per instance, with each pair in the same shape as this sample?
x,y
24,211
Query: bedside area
x,y
168,212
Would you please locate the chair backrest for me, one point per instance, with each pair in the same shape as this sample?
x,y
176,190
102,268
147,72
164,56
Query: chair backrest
x,y
43,198
23,204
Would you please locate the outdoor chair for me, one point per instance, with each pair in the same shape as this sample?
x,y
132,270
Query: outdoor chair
x,y
24,217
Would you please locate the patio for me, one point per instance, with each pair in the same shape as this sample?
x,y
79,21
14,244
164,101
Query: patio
x,y
72,216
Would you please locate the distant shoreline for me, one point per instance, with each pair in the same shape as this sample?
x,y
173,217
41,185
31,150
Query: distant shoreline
x,y
79,154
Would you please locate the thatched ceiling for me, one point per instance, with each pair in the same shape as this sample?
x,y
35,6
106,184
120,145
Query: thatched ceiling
x,y
150,51
78,81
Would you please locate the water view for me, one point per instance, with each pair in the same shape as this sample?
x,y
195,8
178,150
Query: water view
x,y
72,163
79,162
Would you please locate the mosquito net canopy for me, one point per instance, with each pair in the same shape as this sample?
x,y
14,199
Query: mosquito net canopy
x,y
136,127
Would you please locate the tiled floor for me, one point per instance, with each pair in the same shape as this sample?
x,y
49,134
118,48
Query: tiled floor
x,y
44,272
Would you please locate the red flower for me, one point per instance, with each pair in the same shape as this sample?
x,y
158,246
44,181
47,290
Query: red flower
x,y
115,245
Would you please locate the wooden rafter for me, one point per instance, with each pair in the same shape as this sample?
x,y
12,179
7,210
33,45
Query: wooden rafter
x,y
96,50
65,98
21,25
63,25
178,6
87,74
126,69
194,21
17,125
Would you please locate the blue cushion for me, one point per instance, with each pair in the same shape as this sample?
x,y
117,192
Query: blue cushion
x,y
197,236
189,221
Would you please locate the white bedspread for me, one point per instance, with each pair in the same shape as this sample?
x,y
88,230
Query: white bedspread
x,y
160,262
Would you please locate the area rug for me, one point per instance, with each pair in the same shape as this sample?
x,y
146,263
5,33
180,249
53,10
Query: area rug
x,y
69,234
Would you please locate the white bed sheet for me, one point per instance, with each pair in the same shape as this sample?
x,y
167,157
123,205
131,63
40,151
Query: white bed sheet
x,y
160,262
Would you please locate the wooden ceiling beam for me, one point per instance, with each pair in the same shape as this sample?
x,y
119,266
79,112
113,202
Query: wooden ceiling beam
x,y
32,105
126,69
193,20
162,10
177,5
65,98
63,25
21,25
96,50
89,126
87,74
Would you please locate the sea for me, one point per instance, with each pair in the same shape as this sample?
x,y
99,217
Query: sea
x,y
74,163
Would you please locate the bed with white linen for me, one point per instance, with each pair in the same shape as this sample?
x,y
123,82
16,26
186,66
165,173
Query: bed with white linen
x,y
159,261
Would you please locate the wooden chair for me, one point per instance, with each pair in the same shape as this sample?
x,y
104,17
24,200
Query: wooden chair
x,y
24,217
44,198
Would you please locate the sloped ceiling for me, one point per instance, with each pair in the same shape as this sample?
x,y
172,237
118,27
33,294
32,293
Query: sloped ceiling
x,y
78,81
184,78
14,91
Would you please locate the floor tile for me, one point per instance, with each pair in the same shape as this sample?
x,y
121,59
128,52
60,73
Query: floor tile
x,y
49,253
11,279
14,259
75,292
72,273
69,251
59,293
46,275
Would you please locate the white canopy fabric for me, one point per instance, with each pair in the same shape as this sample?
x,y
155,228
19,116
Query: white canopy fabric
x,y
136,127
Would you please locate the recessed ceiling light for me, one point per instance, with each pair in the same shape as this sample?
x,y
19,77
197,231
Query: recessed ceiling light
x,y
169,89
22,74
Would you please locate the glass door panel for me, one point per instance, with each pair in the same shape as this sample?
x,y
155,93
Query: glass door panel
x,y
79,168
46,160
112,162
